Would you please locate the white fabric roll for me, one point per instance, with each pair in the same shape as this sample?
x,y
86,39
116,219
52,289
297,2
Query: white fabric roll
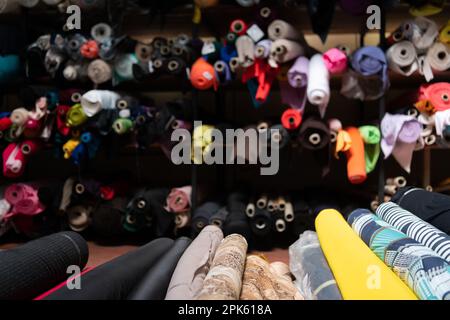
x,y
246,50
402,58
283,50
439,56
441,120
94,101
318,89
422,32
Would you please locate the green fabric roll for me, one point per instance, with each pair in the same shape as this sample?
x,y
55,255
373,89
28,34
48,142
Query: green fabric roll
x,y
122,125
76,116
372,137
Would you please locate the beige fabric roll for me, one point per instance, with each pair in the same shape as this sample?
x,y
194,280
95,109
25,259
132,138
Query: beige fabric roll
x,y
283,282
438,56
280,29
283,50
99,71
246,50
19,116
224,280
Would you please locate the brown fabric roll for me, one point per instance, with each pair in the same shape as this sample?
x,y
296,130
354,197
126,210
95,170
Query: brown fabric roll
x,y
224,279
283,282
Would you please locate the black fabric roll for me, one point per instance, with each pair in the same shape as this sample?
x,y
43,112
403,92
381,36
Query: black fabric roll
x,y
219,218
431,207
262,222
154,284
35,267
104,120
284,134
237,221
115,279
315,127
202,215
176,66
107,217
303,217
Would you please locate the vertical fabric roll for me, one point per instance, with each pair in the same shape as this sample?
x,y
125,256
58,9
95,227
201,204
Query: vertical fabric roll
x,y
293,91
427,274
246,50
400,134
431,207
224,279
415,228
318,89
194,264
356,163
371,136
126,270
36,266
352,263
154,284
313,276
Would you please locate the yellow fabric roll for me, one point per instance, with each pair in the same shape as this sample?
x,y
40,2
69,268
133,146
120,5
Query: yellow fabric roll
x,y
359,273
444,36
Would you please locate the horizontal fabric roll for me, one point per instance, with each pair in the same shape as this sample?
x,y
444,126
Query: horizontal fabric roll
x,y
427,274
283,50
179,200
202,215
415,228
282,280
402,58
431,207
435,95
154,284
126,270
280,29
30,269
335,60
310,268
353,263
224,279
194,264
438,56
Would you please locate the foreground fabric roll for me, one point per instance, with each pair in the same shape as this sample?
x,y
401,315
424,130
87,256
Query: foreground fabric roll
x,y
194,264
313,276
224,279
415,228
115,279
261,282
35,267
356,164
352,263
153,286
431,207
427,274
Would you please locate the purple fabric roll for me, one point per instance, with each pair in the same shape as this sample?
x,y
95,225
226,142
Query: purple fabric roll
x,y
298,73
293,97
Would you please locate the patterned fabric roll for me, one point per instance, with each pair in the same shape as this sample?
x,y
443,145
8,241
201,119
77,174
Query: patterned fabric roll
x,y
224,280
427,274
415,228
257,281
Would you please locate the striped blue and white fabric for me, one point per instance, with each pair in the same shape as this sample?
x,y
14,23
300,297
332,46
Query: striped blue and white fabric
x,y
426,273
415,228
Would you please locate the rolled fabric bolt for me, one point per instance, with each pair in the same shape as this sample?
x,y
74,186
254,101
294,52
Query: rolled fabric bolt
x,y
246,51
371,136
54,58
182,220
280,29
29,147
438,56
203,76
261,223
390,189
122,126
436,95
343,142
219,218
291,119
280,225
257,280
298,73
99,71
335,60
69,147
179,200
14,161
5,124
318,89
262,49
101,32
94,101
224,279
289,212
143,51
176,66
79,217
441,121
430,140
399,181
335,125
356,165
400,134
421,31
271,206
202,215
75,116
90,49
444,36
250,210
234,65
281,203
261,203
280,135
238,26
402,58
283,50
222,71
19,116
123,66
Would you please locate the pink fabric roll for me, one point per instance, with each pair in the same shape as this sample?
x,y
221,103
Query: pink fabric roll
x,y
335,61
24,200
179,200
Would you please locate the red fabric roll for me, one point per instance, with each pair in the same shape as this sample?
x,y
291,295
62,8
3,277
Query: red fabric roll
x,y
356,163
239,27
437,94
14,161
291,119
61,113
90,49
5,123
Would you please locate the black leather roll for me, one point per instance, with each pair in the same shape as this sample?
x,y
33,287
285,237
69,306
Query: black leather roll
x,y
156,281
35,267
115,279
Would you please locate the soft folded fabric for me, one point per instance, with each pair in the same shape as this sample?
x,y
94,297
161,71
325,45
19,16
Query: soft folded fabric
x,y
371,136
224,279
431,207
356,164
359,273
310,268
94,101
318,89
194,264
415,228
427,274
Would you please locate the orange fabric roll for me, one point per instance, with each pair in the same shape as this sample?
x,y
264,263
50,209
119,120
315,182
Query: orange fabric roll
x,y
203,75
356,163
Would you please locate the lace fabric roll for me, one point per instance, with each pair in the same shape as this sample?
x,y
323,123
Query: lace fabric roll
x,y
282,280
194,264
307,262
257,280
224,279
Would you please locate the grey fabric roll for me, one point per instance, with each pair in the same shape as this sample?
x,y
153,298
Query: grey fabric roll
x,y
155,283
187,279
314,279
